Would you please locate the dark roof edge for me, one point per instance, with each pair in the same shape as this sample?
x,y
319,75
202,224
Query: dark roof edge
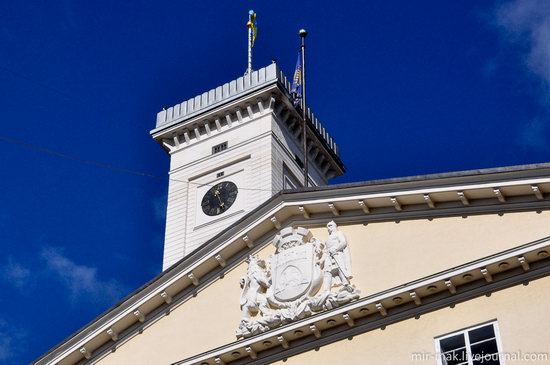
x,y
435,176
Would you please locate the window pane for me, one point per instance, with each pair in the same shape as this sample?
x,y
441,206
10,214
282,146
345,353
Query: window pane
x,y
487,360
482,353
451,343
481,334
455,357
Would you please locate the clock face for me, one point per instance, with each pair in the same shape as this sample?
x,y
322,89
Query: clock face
x,y
219,198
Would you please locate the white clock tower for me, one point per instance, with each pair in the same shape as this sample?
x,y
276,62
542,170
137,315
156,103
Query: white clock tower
x,y
231,149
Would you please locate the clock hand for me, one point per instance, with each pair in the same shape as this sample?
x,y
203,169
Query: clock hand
x,y
217,195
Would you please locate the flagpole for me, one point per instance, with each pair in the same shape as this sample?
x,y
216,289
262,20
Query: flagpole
x,y
303,34
249,25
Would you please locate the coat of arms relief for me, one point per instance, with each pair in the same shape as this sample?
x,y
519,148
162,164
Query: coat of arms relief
x,y
303,277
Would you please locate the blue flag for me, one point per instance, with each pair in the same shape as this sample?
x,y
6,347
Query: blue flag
x,y
296,89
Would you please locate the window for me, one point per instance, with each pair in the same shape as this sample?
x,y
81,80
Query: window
x,y
288,184
298,161
219,147
289,180
473,346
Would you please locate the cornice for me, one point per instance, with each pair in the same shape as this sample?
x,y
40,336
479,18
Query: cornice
x,y
219,108
260,102
481,277
225,251
230,91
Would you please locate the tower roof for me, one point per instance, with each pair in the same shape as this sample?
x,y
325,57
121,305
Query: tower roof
x,y
233,90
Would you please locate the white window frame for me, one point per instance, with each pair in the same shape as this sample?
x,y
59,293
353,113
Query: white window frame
x,y
467,344
289,180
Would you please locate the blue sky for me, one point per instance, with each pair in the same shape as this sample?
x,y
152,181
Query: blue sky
x,y
406,88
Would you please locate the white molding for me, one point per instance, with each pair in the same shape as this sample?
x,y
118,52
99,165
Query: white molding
x,y
275,222
304,211
251,352
139,315
248,241
429,201
416,299
193,278
166,297
113,334
396,204
348,319
262,218
363,206
335,211
463,198
523,262
204,114
500,196
316,331
282,341
87,354
375,300
537,192
487,275
221,260
398,193
450,286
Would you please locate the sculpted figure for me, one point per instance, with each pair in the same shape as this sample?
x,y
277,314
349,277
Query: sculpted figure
x,y
303,277
339,257
254,284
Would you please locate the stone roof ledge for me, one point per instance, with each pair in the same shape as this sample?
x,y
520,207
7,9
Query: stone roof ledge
x,y
231,91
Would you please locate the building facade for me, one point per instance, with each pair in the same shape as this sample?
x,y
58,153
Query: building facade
x,y
247,133
439,269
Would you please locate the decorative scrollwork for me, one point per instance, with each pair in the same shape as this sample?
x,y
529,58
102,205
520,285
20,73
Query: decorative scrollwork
x,y
303,277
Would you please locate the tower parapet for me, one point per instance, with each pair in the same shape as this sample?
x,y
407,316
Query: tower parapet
x,y
184,114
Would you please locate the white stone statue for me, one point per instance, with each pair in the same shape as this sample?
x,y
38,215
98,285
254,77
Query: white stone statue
x,y
304,276
253,285
339,255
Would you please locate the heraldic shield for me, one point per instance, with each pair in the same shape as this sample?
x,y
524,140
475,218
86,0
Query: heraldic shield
x,y
301,278
293,273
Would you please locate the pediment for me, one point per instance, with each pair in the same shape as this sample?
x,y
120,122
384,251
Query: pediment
x,y
408,253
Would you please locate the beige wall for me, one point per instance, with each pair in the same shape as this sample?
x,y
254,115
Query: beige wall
x,y
521,312
202,323
384,255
